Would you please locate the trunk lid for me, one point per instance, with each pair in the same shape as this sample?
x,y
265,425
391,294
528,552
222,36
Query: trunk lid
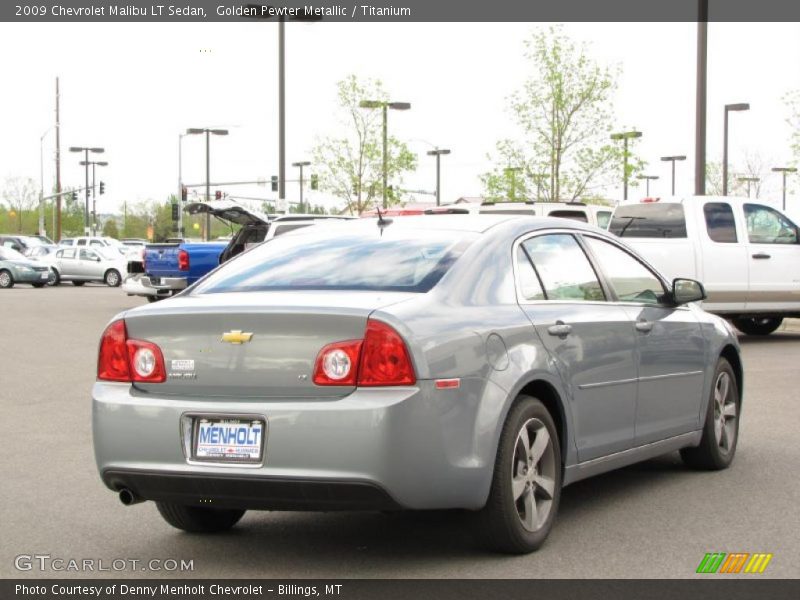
x,y
197,336
227,211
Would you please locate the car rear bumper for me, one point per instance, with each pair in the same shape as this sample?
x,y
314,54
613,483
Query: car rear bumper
x,y
143,285
405,447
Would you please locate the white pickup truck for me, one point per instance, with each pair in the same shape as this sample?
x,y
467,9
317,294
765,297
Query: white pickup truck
x,y
746,253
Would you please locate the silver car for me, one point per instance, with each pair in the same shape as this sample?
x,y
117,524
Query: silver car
x,y
82,264
474,362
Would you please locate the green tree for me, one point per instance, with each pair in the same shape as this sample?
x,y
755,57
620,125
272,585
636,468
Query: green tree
x,y
110,228
792,100
351,164
21,195
564,111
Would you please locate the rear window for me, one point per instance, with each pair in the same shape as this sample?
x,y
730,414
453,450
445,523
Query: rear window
x,y
575,215
398,260
511,211
720,223
652,220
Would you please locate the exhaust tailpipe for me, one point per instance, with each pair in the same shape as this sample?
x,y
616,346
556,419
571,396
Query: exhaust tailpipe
x,y
128,497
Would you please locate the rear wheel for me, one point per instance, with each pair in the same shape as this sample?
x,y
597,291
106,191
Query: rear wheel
x,y
721,429
112,278
195,519
526,486
6,280
757,325
78,283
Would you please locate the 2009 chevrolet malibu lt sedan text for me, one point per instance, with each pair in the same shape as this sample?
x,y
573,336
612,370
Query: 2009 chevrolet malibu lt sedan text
x,y
474,362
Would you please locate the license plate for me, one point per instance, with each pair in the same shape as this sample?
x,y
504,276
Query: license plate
x,y
228,439
45,276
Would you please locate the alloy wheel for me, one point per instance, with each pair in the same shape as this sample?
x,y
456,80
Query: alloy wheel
x,y
533,474
724,413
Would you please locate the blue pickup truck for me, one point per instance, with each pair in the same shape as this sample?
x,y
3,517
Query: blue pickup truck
x,y
166,269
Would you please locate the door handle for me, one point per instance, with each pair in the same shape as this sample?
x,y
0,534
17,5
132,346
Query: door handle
x,y
761,255
644,326
560,329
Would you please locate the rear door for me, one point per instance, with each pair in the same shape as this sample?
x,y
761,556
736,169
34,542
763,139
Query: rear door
x,y
725,269
671,346
773,252
591,341
67,263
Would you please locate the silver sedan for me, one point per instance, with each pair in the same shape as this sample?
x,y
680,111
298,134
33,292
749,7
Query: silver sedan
x,y
474,362
81,264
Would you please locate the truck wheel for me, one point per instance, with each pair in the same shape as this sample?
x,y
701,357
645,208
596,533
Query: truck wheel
x,y
526,485
195,519
112,278
153,298
757,325
721,429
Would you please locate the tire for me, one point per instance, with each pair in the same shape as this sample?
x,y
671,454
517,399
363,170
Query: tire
x,y
195,519
112,278
55,278
757,325
38,285
6,279
154,298
509,523
721,429
78,283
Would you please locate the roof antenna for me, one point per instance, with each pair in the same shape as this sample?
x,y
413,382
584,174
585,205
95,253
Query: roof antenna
x,y
382,221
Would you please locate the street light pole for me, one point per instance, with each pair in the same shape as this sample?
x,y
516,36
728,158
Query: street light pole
x,y
385,106
301,164
209,133
784,171
41,180
625,136
648,179
728,108
94,202
672,159
700,99
438,154
86,150
180,184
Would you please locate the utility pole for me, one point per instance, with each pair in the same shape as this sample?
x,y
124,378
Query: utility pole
x,y
58,170
700,103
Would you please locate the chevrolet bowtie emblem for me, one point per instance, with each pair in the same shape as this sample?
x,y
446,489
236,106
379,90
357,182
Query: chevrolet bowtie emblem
x,y
236,337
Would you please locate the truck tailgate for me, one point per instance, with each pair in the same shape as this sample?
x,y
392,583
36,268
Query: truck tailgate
x,y
161,260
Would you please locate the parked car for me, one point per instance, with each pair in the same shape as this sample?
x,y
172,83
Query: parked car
x,y
746,253
82,264
577,211
255,226
20,243
44,254
162,270
473,362
15,268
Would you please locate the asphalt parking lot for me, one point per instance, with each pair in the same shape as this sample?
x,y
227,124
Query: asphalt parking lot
x,y
654,520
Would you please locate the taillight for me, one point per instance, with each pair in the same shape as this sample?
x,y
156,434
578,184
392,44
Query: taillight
x,y
183,260
384,358
380,359
112,363
337,364
125,360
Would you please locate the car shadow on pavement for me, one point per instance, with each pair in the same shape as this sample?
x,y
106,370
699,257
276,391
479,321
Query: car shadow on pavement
x,y
775,338
300,542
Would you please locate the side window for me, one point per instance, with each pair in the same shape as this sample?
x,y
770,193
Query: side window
x,y
68,253
720,223
649,220
88,255
766,225
630,279
96,243
565,271
81,242
603,218
529,286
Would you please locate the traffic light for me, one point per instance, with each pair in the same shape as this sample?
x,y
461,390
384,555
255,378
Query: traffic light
x,y
175,213
102,188
184,193
274,182
314,182
217,195
74,196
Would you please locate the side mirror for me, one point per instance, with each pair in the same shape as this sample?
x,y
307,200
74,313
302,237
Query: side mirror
x,y
687,290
